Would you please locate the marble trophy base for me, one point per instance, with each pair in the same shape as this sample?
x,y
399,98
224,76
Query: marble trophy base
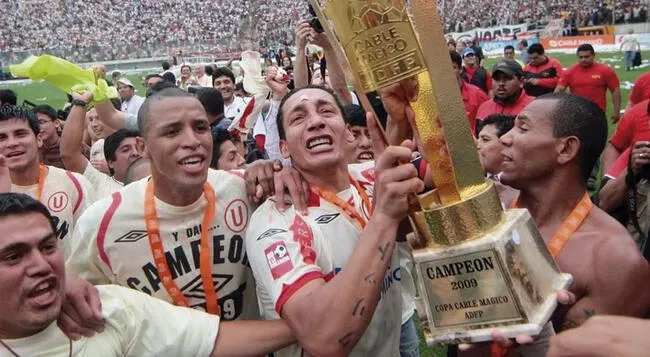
x,y
505,280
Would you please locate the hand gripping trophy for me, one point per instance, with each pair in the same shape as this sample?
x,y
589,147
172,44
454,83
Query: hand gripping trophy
x,y
481,268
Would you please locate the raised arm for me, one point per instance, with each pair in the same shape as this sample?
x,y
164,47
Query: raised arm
x,y
300,71
336,73
72,137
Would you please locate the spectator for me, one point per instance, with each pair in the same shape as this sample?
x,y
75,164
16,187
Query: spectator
x,y
186,79
225,155
478,51
509,52
509,96
523,51
224,82
472,95
202,78
488,145
151,80
130,101
542,72
640,90
474,74
630,46
7,96
49,124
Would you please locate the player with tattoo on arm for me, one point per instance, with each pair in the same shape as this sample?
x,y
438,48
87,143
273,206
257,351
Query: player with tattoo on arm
x,y
329,273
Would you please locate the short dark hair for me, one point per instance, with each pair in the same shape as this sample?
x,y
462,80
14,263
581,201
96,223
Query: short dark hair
x,y
524,42
509,47
186,66
12,203
154,75
209,70
536,48
574,115
281,132
143,113
113,141
158,87
169,77
219,136
166,66
223,71
117,103
7,96
586,47
47,110
503,122
9,111
456,59
211,100
128,176
354,115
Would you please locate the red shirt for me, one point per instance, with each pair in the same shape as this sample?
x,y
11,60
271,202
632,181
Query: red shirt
x,y
641,89
548,73
635,126
473,97
491,107
470,74
591,82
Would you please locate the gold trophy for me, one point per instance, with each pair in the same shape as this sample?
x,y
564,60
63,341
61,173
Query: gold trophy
x,y
481,268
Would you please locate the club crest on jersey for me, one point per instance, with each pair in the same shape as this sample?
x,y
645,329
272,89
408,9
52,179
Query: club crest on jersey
x,y
278,258
131,237
326,218
57,202
236,216
270,233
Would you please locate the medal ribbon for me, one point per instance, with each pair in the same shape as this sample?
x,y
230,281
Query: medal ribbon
x,y
158,250
42,173
352,213
557,242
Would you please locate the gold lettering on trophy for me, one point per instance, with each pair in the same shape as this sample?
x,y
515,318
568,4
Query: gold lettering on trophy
x,y
443,307
380,46
465,304
494,300
458,268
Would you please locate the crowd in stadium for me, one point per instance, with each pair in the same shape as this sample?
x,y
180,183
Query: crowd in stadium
x,y
97,30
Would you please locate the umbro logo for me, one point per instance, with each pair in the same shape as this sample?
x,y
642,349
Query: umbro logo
x,y
194,289
326,218
271,232
131,237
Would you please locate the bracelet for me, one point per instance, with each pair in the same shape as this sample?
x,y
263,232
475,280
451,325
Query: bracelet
x,y
79,102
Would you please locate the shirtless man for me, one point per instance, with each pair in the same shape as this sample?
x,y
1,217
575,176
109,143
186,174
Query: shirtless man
x,y
571,132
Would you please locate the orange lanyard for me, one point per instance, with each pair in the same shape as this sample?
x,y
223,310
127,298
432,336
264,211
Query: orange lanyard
x,y
569,226
334,199
158,250
42,173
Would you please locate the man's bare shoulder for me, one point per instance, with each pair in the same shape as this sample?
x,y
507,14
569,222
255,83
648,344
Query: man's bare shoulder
x,y
601,226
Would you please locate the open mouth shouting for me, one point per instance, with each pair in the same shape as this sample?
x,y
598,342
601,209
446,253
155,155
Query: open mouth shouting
x,y
193,164
44,293
320,142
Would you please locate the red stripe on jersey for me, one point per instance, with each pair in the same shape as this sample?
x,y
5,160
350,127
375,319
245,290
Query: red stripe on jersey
x,y
236,173
103,227
313,200
329,276
247,112
289,290
303,235
80,192
369,174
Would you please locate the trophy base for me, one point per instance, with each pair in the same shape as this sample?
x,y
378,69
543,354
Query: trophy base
x,y
505,280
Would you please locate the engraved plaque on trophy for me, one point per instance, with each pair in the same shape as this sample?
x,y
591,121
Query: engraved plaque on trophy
x,y
481,267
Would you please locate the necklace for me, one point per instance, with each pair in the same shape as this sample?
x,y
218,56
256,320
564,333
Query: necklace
x,y
17,355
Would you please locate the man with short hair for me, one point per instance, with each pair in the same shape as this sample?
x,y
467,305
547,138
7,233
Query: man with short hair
x,y
478,51
66,194
509,52
548,156
49,125
130,101
32,290
523,51
355,118
472,95
225,155
640,90
474,74
151,79
224,82
509,95
138,170
212,102
177,236
488,145
592,80
7,96
325,272
541,72
202,78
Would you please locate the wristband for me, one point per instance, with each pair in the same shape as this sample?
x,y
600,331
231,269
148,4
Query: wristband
x,y
79,102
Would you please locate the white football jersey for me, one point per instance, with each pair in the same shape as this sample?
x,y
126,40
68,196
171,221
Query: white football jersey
x,y
66,195
111,245
288,250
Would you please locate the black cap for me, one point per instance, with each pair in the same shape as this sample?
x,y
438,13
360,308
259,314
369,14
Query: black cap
x,y
508,66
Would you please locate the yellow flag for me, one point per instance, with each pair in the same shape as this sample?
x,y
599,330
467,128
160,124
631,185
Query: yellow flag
x,y
64,75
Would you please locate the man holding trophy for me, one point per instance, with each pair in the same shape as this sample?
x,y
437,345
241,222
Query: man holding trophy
x,y
483,273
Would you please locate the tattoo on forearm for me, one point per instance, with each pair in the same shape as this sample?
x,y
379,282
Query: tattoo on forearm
x,y
370,278
382,251
345,340
569,324
359,307
589,313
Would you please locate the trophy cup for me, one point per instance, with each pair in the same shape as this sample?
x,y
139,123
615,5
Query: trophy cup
x,y
481,267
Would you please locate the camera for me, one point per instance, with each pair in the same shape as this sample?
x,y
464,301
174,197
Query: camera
x,y
315,22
